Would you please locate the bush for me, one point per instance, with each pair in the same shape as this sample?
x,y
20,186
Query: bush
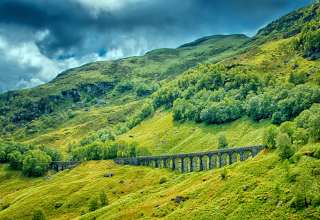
x,y
15,159
103,198
163,180
222,142
53,153
224,174
124,86
309,40
93,204
38,215
288,128
145,90
260,107
297,78
283,142
300,136
222,112
315,127
269,137
36,163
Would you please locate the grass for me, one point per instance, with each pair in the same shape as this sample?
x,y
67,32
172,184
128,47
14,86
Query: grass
x,y
251,190
160,134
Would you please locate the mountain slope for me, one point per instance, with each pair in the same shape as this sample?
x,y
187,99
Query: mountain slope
x,y
251,190
264,90
27,113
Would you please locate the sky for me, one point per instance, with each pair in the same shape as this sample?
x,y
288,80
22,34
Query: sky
x,y
41,38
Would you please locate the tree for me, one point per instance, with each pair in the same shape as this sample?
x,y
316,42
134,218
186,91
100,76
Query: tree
x,y
15,158
315,127
222,142
300,136
284,145
53,153
260,107
269,137
288,127
2,156
36,163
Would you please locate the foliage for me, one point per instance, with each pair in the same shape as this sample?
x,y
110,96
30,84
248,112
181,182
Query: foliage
x,y
269,137
103,198
93,204
15,158
224,173
36,163
163,180
297,78
32,160
283,142
39,215
125,86
104,151
146,110
309,40
222,142
300,136
144,89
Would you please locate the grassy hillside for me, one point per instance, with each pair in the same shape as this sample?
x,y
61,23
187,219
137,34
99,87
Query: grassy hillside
x,y
45,112
264,89
162,135
252,190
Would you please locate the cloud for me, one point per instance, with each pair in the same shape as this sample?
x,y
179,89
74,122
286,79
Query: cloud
x,y
42,38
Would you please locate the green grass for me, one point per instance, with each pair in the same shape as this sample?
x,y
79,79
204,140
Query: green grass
x,y
260,188
252,190
160,134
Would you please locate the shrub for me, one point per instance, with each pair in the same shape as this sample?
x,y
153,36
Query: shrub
x,y
163,180
287,128
283,142
53,153
15,158
124,86
2,156
222,142
222,112
36,163
224,173
145,90
297,78
93,204
38,215
103,198
300,136
315,127
316,153
260,107
270,136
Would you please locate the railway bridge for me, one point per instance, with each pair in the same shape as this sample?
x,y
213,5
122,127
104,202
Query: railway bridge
x,y
189,162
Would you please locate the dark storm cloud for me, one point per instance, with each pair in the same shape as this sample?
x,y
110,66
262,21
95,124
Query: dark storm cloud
x,y
81,29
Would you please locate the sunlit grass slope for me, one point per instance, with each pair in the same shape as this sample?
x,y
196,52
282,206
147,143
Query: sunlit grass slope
x,y
161,134
251,190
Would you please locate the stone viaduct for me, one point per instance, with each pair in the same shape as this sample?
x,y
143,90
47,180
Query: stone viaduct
x,y
62,165
190,162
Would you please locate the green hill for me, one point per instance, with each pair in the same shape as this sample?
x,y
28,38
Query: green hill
x,y
264,89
